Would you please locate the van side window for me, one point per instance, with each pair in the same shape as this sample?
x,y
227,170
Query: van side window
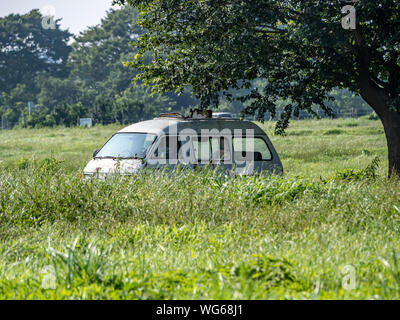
x,y
251,149
168,148
215,149
202,149
221,149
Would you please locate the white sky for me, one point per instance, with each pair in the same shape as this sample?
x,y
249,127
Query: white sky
x,y
76,15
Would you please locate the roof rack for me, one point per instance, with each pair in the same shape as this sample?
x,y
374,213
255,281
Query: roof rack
x,y
171,115
193,114
200,114
196,114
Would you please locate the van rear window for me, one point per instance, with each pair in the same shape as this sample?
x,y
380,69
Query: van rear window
x,y
251,149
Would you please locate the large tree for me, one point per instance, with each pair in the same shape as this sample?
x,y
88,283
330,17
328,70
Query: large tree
x,y
298,46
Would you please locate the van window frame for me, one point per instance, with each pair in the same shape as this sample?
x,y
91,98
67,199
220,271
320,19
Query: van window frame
x,y
196,158
212,160
130,158
255,137
152,149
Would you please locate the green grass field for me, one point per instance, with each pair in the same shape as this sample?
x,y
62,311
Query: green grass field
x,y
328,229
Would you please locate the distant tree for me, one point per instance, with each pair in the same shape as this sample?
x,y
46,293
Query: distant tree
x,y
15,103
102,110
38,119
98,55
137,103
91,74
56,91
299,46
98,52
66,115
27,49
347,102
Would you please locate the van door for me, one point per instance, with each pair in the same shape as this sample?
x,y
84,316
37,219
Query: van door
x,y
168,153
214,152
202,151
221,148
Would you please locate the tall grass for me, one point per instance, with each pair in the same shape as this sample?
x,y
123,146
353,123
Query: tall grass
x,y
199,235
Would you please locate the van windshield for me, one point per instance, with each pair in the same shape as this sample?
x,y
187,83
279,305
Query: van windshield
x,y
127,146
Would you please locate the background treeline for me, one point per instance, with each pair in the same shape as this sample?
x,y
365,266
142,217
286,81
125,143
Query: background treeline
x,y
70,78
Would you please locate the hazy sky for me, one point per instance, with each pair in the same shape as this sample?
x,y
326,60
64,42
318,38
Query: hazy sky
x,y
76,15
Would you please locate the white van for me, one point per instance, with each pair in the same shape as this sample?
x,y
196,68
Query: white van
x,y
231,145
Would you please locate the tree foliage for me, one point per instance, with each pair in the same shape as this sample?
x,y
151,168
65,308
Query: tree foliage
x,y
98,52
27,49
94,82
298,46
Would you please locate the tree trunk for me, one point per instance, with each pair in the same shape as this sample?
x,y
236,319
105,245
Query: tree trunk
x,y
391,123
378,99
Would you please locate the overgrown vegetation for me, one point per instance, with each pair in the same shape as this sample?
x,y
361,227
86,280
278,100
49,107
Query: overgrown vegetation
x,y
195,235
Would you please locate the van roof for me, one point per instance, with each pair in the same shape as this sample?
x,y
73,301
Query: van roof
x,y
164,124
